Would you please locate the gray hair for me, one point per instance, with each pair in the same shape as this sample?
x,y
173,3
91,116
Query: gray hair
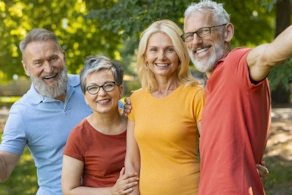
x,y
38,34
219,13
96,63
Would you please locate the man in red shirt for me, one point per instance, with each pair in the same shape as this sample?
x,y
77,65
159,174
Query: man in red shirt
x,y
236,117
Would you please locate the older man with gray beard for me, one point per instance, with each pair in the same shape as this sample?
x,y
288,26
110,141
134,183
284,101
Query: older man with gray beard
x,y
236,117
43,118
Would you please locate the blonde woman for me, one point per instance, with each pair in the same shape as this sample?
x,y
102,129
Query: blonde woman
x,y
164,124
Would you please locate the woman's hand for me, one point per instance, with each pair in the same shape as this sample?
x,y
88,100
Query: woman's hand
x,y
127,106
125,183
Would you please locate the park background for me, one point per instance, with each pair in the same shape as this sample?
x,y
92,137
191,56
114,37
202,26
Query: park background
x,y
112,28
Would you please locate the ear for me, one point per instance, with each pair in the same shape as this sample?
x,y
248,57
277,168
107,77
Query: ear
x,y
85,99
64,55
25,68
121,89
229,32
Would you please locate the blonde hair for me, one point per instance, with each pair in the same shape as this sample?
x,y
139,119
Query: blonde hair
x,y
168,27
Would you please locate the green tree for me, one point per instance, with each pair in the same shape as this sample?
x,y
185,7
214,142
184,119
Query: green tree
x,y
281,76
79,37
254,24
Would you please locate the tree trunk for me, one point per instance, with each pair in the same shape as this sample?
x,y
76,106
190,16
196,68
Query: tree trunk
x,y
283,14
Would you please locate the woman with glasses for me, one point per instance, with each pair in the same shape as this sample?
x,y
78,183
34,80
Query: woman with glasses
x,y
95,151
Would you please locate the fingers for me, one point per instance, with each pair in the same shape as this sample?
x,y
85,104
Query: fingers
x,y
263,172
127,101
262,169
130,183
122,172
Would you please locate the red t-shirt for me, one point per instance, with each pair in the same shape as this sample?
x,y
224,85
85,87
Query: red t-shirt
x,y
103,155
235,128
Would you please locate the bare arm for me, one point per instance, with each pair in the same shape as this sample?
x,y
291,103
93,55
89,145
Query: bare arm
x,y
71,177
199,127
8,162
263,58
132,161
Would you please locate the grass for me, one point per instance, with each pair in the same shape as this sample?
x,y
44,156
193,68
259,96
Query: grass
x,y
279,181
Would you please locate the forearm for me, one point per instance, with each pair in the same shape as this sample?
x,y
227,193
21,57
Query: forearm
x,y
130,169
3,170
82,190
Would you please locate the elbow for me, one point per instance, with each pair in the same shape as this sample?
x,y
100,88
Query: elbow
x,y
66,191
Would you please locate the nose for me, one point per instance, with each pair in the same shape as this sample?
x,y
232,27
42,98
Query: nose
x,y
161,55
101,92
196,39
48,68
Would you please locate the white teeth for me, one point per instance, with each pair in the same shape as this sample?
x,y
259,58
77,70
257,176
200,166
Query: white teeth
x,y
161,65
202,50
103,101
49,77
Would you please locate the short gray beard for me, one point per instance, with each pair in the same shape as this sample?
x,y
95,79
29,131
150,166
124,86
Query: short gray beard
x,y
209,64
56,89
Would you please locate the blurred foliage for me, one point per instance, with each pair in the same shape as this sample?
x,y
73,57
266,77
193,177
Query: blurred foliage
x,y
112,27
79,37
279,179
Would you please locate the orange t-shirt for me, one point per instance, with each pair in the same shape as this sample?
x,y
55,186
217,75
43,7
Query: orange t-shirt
x,y
103,155
168,139
235,128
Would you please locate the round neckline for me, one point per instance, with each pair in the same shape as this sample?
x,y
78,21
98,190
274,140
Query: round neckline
x,y
166,97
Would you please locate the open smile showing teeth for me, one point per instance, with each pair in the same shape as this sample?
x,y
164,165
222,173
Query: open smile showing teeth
x,y
50,76
161,65
201,50
103,101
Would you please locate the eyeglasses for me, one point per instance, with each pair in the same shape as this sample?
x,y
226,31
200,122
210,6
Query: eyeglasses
x,y
202,32
107,87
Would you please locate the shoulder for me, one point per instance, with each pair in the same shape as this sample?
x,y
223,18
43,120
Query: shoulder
x,y
193,89
73,80
238,52
138,93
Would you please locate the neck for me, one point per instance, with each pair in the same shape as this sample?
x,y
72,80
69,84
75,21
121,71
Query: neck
x,y
108,123
61,97
165,88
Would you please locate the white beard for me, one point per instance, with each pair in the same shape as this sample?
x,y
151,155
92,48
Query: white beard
x,y
55,90
208,63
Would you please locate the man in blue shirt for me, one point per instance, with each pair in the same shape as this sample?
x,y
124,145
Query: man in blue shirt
x,y
43,118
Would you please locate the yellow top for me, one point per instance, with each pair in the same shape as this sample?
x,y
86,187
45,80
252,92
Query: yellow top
x,y
168,139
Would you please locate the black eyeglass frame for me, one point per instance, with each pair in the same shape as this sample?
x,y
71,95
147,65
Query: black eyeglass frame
x,y
183,36
101,86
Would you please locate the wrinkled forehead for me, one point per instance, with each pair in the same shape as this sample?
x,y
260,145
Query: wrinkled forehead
x,y
41,49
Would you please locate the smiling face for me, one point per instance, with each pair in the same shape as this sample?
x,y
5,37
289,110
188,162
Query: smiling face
x,y
103,102
161,56
205,52
45,64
